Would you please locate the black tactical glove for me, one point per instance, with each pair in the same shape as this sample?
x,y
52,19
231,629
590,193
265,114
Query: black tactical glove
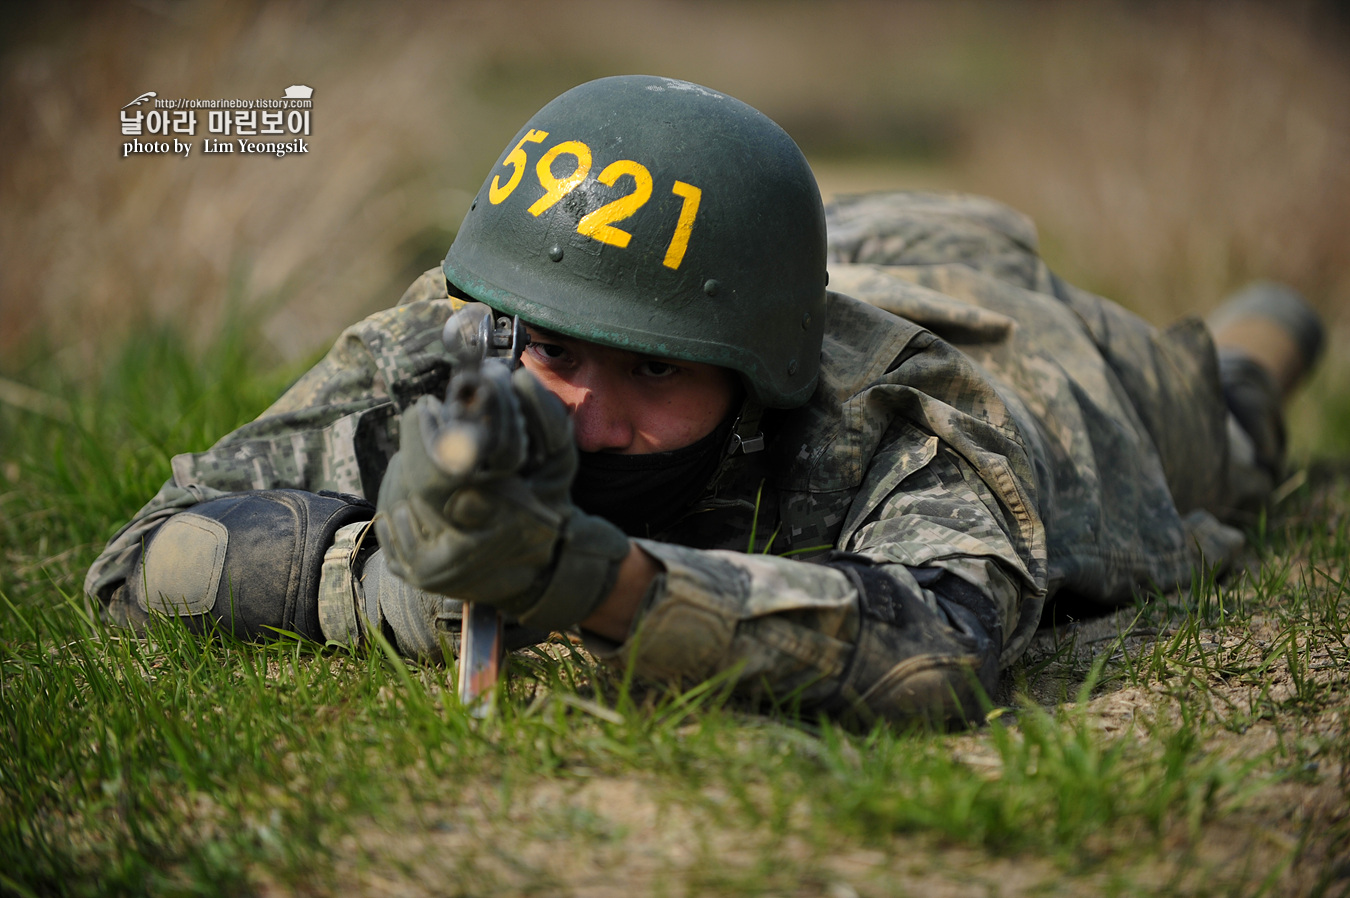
x,y
515,542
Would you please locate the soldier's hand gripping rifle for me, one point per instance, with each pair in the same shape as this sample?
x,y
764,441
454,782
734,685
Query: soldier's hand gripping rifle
x,y
476,504
474,437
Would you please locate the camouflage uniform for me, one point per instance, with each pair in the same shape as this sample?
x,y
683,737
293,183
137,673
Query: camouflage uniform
x,y
978,423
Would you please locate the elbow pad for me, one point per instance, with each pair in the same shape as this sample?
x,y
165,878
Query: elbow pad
x,y
931,656
248,562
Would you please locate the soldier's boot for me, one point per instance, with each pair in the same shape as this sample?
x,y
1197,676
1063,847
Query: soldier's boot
x,y
1268,339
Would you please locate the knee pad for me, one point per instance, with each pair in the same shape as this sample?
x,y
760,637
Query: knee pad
x,y
248,562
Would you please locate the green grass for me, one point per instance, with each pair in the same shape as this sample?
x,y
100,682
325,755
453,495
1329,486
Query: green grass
x,y
1201,749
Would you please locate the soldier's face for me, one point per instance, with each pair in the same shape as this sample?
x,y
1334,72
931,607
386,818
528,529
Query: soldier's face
x,y
629,403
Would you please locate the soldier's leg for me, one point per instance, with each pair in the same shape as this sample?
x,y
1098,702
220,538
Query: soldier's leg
x,y
1169,376
1212,397
1268,339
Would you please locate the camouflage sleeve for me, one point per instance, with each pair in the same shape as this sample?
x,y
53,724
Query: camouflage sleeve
x,y
908,621
334,429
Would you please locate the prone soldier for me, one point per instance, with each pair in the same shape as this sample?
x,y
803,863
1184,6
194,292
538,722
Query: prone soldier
x,y
845,454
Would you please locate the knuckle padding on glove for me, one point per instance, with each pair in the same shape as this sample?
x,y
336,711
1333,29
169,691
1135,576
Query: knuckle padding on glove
x,y
250,561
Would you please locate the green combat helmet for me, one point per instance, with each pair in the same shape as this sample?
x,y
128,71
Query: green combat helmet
x,y
659,217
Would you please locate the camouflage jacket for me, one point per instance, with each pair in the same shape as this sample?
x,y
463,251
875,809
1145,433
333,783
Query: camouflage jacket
x,y
975,417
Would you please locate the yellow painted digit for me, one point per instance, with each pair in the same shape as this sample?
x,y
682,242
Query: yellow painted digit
x,y
599,224
517,160
556,188
679,241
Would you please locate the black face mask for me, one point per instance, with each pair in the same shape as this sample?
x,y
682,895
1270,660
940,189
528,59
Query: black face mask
x,y
644,494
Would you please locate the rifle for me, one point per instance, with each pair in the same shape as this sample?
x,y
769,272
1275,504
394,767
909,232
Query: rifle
x,y
476,438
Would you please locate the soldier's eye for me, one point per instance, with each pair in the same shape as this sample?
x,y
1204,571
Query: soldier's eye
x,y
654,368
547,350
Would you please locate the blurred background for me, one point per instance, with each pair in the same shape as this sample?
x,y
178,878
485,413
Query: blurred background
x,y
1168,152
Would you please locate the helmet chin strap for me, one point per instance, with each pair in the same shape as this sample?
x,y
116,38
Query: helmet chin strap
x,y
745,433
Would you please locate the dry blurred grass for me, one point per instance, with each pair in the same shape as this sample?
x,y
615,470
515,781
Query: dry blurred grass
x,y
1168,151
1175,153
